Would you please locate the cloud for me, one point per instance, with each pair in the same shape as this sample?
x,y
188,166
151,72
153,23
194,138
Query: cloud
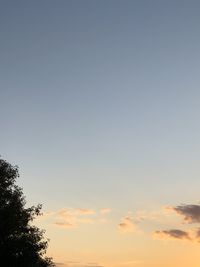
x,y
74,212
191,213
73,262
77,264
72,217
105,210
127,225
198,233
64,224
85,211
86,220
173,234
69,217
143,216
64,213
131,262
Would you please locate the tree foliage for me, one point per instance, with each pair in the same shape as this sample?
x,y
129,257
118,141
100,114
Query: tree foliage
x,y
21,243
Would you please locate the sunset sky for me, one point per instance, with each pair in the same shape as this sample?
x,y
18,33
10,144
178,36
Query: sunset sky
x,y
100,109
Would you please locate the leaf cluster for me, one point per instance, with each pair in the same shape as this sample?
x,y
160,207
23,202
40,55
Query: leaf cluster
x,y
21,243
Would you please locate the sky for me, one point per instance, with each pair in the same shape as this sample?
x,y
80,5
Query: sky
x,y
99,104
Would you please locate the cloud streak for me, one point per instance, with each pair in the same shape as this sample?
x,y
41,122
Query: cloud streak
x,y
77,264
173,234
105,210
64,224
72,217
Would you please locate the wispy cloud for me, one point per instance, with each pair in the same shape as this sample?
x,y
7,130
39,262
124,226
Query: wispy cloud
x,y
105,210
64,224
85,211
127,225
77,264
74,212
72,217
131,263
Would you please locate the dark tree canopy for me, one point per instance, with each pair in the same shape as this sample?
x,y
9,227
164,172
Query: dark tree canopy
x,y
21,243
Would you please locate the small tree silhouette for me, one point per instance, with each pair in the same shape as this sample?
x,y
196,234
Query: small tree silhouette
x,y
21,243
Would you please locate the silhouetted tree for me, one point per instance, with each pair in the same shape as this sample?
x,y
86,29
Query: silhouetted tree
x,y
21,243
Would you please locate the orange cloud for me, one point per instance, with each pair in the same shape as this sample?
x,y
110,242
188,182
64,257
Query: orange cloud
x,y
131,262
105,210
77,264
85,211
69,217
72,217
127,225
64,224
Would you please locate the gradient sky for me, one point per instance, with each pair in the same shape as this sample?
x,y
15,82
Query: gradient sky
x,y
100,109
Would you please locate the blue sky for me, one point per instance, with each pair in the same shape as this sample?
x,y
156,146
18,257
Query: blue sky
x,y
105,92
100,101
